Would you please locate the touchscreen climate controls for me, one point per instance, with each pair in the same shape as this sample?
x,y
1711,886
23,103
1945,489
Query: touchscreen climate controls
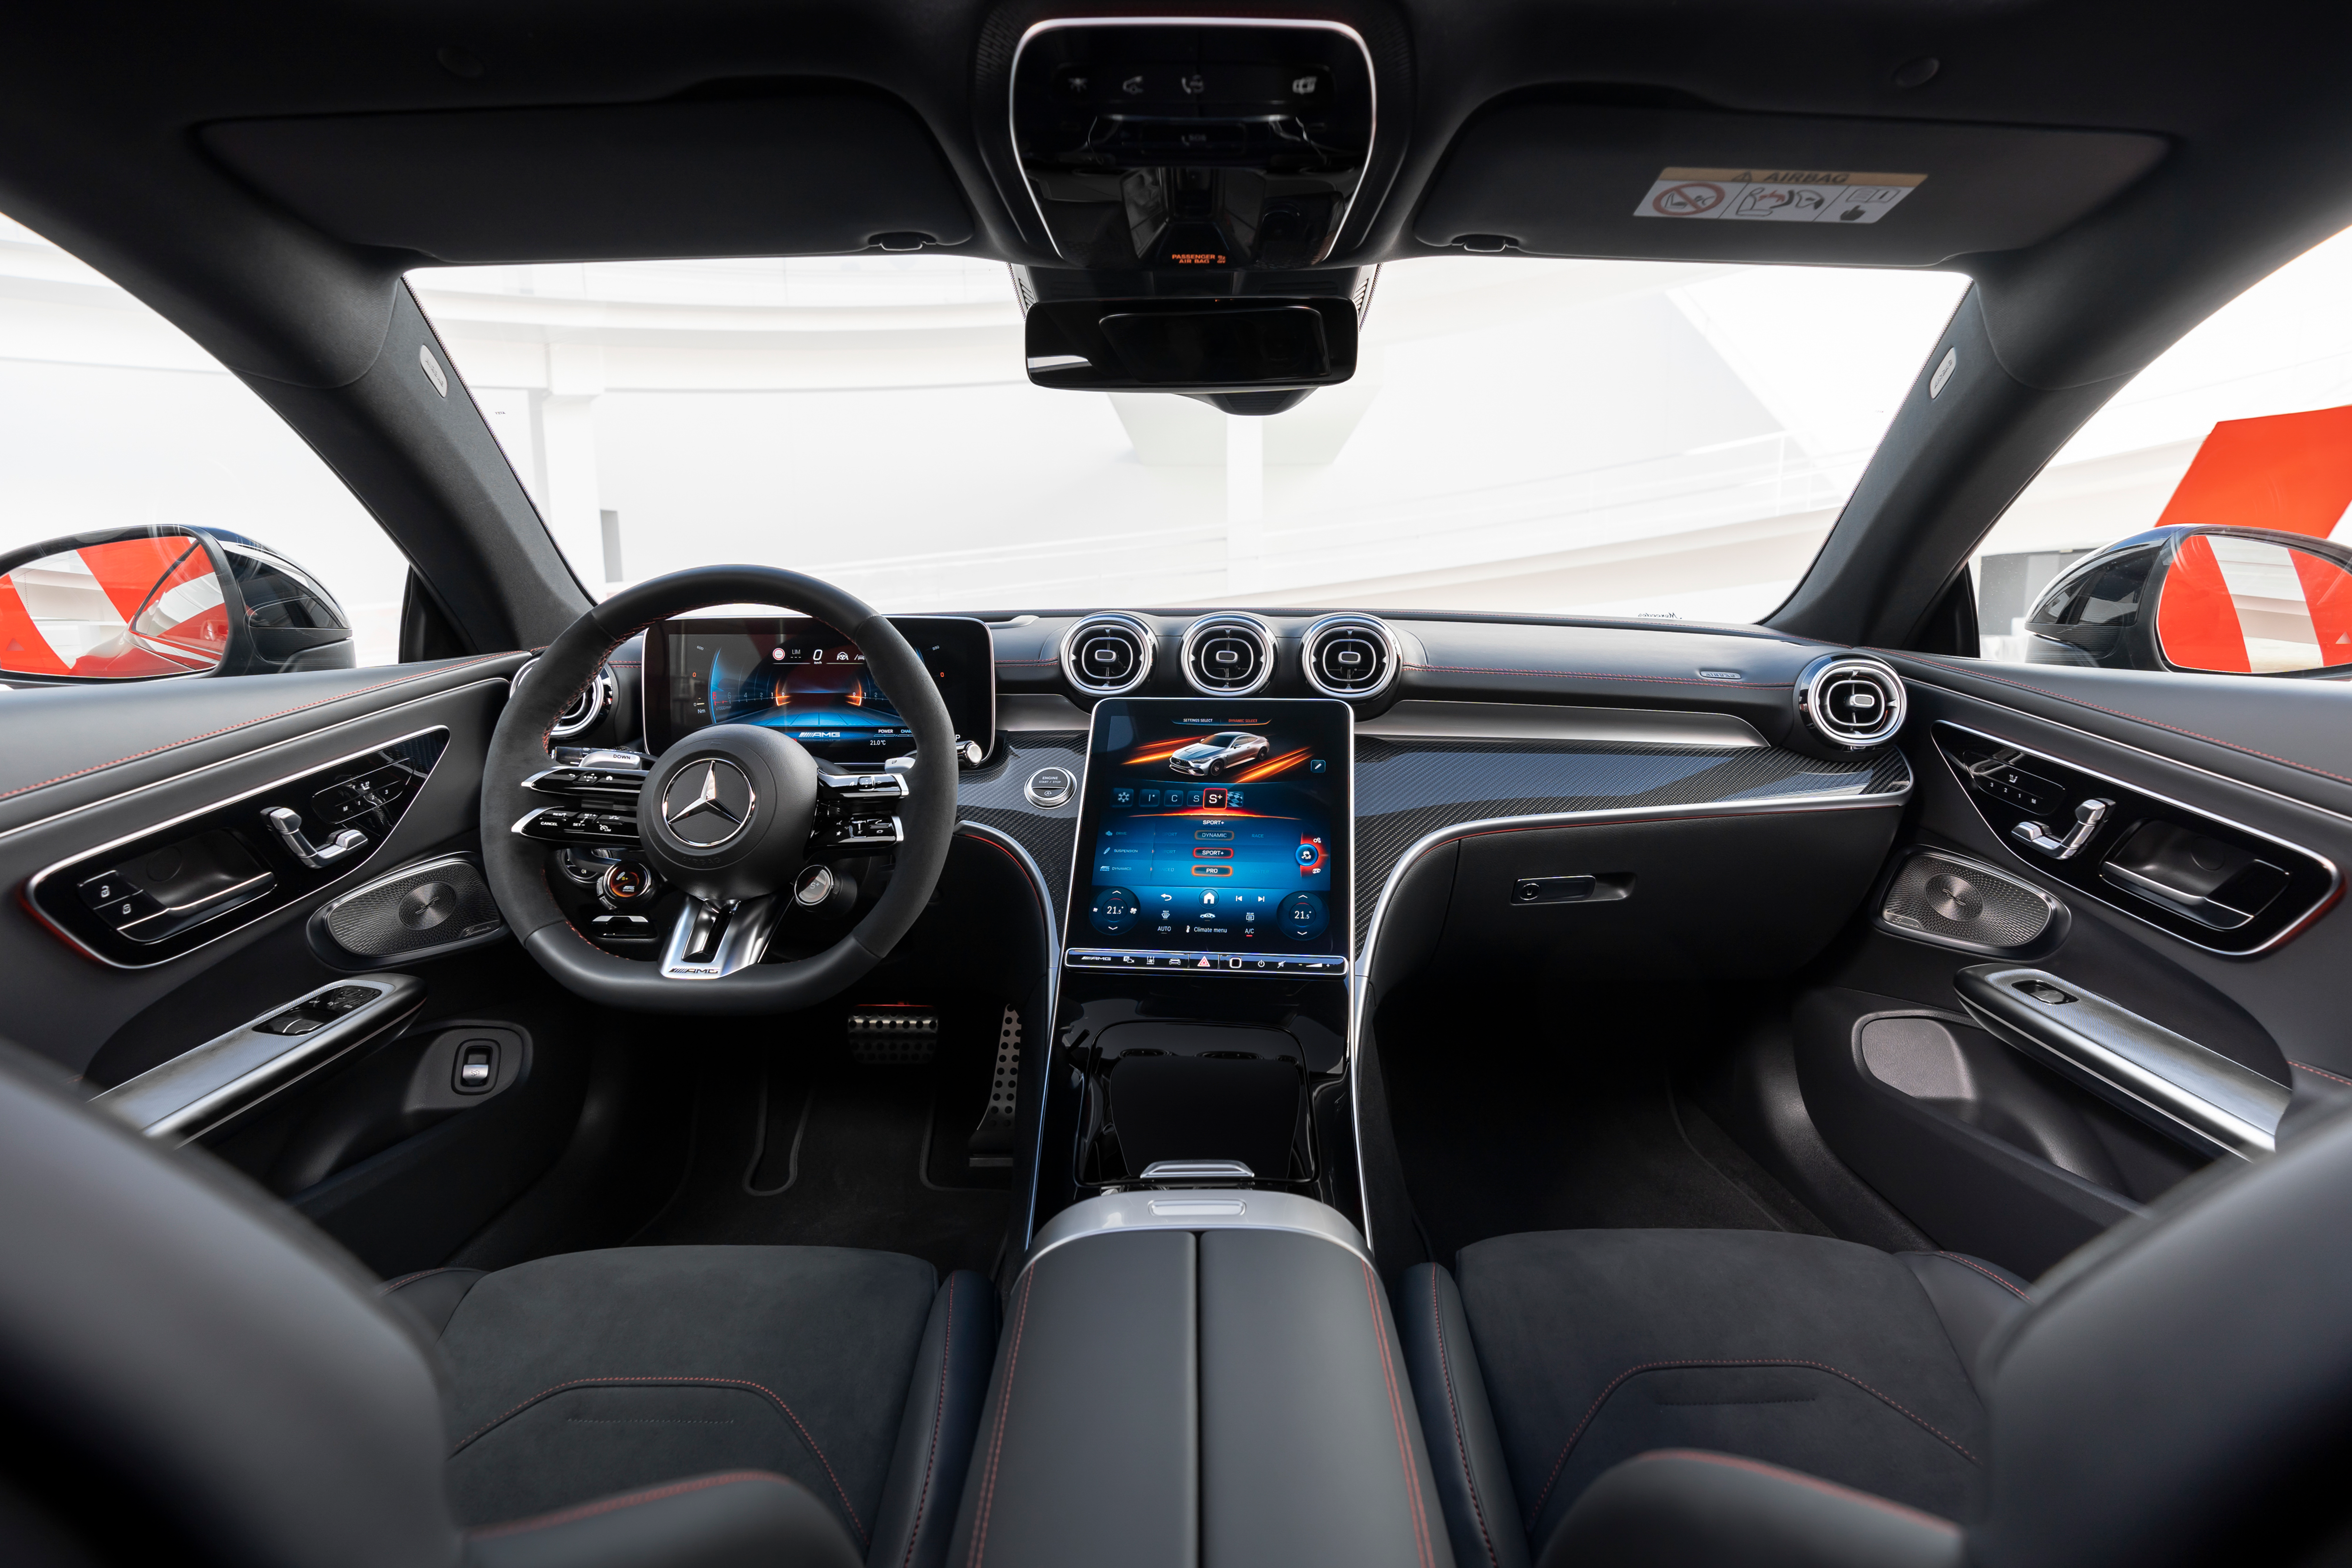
x,y
1213,837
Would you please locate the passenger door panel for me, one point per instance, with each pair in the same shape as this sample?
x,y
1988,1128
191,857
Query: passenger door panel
x,y
1986,1148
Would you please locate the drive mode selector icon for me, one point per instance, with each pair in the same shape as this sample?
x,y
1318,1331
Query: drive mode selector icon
x,y
708,803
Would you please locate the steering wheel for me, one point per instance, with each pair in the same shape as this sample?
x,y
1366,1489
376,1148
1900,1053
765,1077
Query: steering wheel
x,y
730,815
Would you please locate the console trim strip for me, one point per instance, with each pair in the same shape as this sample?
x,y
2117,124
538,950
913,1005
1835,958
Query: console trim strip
x,y
1052,914
1360,979
1212,1208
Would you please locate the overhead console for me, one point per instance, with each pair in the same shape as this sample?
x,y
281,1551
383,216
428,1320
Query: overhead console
x,y
1182,144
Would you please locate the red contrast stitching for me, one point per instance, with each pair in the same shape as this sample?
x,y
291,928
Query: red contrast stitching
x,y
2136,718
1972,1263
1396,1413
1541,1496
1602,675
590,1510
1461,1447
996,1439
1733,1461
389,1286
2321,1072
687,1382
249,723
939,1419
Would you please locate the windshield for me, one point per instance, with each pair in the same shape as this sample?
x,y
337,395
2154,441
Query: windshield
x,y
1594,437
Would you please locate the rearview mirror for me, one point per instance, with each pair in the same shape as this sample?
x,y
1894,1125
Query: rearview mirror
x,y
129,604
1193,346
2252,603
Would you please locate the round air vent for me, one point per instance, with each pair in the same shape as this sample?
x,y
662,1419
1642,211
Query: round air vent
x,y
1107,656
1850,701
1350,656
583,710
1228,656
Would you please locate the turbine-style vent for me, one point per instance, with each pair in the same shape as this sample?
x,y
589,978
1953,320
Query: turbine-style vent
x,y
583,710
1107,656
1850,701
1228,656
1350,656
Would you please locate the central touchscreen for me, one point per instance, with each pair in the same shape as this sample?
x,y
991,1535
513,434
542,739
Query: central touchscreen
x,y
1214,836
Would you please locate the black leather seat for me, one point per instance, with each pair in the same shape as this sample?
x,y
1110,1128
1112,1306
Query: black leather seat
x,y
2179,1392
185,1369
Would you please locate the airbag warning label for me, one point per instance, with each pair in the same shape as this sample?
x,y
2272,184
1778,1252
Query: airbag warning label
x,y
1776,196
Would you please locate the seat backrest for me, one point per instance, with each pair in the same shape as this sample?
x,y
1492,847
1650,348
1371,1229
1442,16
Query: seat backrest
x,y
184,1369
2183,1391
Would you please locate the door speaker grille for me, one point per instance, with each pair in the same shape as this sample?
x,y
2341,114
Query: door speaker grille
x,y
1953,903
417,912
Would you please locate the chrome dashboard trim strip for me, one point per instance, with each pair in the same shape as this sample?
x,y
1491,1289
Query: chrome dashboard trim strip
x,y
1361,981
1432,719
38,878
1372,88
2334,872
1045,908
1201,1208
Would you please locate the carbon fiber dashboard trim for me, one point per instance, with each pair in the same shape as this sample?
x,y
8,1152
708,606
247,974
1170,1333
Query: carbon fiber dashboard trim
x,y
1407,789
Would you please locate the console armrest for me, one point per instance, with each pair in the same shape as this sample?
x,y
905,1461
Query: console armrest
x,y
1207,1376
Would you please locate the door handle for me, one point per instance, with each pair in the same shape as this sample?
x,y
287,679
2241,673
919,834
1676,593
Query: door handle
x,y
288,826
2088,816
2198,1095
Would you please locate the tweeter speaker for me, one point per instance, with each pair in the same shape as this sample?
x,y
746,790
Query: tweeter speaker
x,y
1969,906
420,911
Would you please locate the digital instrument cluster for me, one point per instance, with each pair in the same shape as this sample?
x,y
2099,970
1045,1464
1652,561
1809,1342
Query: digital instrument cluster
x,y
809,681
1213,836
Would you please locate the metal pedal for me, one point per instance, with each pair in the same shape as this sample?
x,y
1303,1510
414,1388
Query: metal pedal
x,y
893,1035
991,1145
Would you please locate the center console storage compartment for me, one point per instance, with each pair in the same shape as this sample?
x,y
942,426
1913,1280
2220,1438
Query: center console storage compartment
x,y
1200,1379
1206,1092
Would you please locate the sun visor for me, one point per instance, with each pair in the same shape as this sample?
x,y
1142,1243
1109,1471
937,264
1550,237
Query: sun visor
x,y
1591,179
809,173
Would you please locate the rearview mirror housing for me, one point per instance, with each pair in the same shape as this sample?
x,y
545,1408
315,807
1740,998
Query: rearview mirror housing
x,y
1193,346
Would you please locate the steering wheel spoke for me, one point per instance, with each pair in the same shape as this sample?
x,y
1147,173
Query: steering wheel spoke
x,y
611,824
588,786
853,815
712,940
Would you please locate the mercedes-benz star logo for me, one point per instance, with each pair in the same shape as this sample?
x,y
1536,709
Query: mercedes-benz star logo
x,y
706,806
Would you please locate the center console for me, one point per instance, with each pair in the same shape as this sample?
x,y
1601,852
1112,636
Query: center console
x,y
1207,950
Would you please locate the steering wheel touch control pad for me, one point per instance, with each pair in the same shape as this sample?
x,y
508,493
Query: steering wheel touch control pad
x,y
725,814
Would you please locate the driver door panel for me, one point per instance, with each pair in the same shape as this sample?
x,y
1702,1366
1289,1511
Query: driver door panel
x,y
378,1145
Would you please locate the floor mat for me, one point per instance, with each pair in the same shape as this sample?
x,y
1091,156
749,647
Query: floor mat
x,y
1577,1129
808,1145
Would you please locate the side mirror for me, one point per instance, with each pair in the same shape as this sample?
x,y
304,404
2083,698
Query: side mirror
x,y
2248,602
126,604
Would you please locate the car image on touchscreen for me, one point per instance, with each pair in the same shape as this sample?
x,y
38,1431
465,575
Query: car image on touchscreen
x,y
1211,833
